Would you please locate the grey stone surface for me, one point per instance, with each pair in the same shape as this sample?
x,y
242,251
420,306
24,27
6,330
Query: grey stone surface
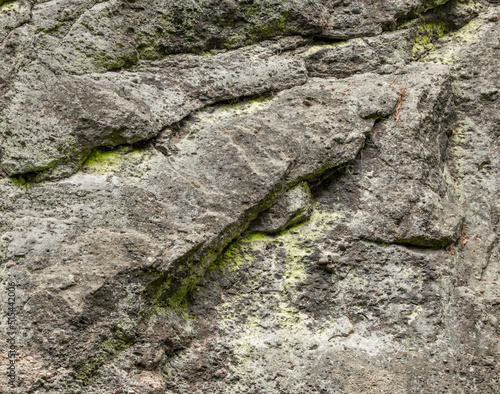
x,y
13,14
293,207
405,197
142,210
72,114
220,197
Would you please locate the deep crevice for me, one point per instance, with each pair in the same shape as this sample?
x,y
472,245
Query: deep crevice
x,y
407,245
422,12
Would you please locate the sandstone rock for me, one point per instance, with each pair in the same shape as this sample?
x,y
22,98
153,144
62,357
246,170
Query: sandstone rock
x,y
12,15
178,209
406,199
70,115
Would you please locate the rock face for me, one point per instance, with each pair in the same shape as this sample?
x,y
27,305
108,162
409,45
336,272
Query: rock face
x,y
250,196
295,206
72,114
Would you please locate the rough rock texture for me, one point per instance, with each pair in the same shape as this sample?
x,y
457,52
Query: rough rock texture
x,y
223,197
293,207
71,115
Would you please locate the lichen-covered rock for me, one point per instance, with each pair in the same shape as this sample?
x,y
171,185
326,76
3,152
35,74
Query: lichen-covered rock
x,y
389,52
165,217
279,321
208,196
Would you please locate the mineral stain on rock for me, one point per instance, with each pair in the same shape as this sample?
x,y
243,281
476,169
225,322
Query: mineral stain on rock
x,y
251,196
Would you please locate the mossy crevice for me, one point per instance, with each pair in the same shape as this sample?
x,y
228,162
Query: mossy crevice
x,y
172,289
116,63
21,180
104,160
420,12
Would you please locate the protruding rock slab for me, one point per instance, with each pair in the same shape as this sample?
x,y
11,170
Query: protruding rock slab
x,y
69,115
406,197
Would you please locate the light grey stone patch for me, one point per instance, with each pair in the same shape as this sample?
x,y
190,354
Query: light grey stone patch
x,y
12,15
474,149
408,199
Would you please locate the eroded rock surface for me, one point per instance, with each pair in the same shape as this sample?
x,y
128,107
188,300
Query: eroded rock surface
x,y
293,207
72,114
222,197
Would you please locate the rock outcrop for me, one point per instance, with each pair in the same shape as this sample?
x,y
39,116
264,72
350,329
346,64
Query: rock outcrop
x,y
250,196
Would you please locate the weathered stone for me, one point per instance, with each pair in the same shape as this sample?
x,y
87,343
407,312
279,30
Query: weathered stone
x,y
70,115
384,53
406,198
292,208
175,214
13,14
117,34
170,242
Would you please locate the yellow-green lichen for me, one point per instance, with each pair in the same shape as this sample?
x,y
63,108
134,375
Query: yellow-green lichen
x,y
427,35
9,6
243,108
452,47
126,159
103,161
233,257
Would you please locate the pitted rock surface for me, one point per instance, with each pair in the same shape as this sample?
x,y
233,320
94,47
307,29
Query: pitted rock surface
x,y
250,196
293,207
